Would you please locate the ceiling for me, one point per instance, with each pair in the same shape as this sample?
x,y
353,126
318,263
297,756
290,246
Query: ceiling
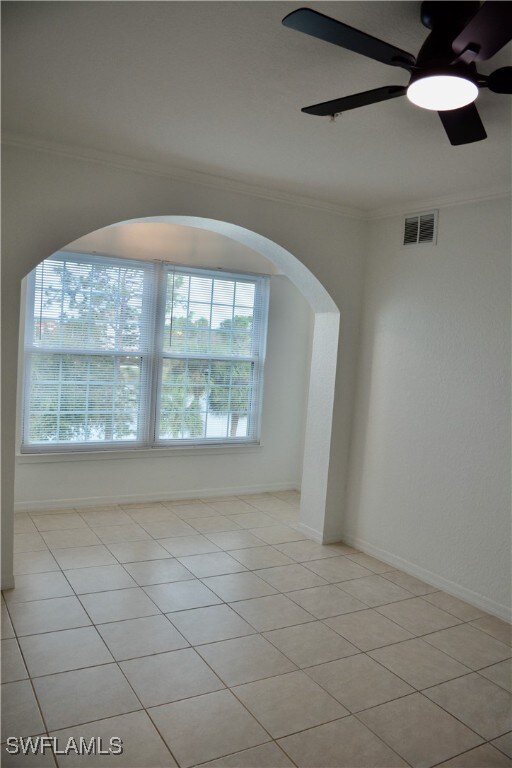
x,y
217,87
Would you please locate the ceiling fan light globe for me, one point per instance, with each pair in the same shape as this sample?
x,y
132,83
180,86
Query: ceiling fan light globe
x,y
442,92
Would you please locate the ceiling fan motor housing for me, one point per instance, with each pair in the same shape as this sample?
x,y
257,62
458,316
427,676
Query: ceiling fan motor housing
x,y
436,57
450,16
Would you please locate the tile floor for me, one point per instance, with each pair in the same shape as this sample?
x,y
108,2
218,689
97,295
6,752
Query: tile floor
x,y
211,632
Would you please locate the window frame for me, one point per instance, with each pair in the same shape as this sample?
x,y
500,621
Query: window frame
x,y
151,362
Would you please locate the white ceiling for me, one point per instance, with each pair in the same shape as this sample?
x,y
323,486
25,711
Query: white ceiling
x,y
218,86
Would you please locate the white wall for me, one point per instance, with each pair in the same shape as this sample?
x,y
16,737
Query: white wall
x,y
164,241
430,455
430,463
51,199
46,481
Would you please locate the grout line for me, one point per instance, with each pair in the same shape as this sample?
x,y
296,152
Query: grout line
x,y
34,693
112,717
257,632
450,714
456,717
126,679
490,742
98,720
466,752
471,624
241,752
381,738
136,695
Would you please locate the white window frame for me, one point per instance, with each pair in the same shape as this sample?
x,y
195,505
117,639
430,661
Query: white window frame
x,y
152,362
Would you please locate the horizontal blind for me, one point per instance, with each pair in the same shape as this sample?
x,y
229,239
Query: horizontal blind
x,y
88,345
213,330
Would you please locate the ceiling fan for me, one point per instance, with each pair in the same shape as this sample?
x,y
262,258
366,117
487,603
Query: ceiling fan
x,y
443,76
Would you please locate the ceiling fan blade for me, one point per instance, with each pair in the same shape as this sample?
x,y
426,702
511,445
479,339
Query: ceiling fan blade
x,y
463,126
317,25
500,81
487,32
356,100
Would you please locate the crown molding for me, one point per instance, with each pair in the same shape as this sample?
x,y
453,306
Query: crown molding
x,y
184,175
446,201
212,181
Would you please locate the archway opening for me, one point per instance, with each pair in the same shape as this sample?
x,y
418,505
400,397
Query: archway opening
x,y
229,245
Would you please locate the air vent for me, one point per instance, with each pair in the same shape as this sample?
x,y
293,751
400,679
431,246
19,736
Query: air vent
x,y
421,228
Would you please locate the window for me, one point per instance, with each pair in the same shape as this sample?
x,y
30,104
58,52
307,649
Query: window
x,y
122,354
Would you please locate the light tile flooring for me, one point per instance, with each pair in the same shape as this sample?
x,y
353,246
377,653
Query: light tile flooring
x,y
211,632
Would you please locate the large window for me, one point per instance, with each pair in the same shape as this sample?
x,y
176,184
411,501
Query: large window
x,y
121,353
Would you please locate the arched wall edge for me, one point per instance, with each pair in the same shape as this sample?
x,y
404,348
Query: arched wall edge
x,y
322,381
321,396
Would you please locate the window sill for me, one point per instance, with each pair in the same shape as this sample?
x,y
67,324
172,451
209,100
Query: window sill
x,y
137,453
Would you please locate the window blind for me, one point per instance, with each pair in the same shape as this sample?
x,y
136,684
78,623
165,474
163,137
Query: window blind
x,y
87,351
211,356
125,353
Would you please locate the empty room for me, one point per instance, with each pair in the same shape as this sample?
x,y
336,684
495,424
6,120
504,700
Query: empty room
x,y
256,384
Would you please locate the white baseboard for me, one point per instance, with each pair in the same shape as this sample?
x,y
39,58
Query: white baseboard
x,y
457,590
204,493
311,533
321,537
332,537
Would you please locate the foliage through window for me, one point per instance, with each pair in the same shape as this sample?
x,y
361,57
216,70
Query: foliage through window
x,y
121,353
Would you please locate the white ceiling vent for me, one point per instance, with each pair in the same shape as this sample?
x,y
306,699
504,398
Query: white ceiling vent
x,y
420,228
